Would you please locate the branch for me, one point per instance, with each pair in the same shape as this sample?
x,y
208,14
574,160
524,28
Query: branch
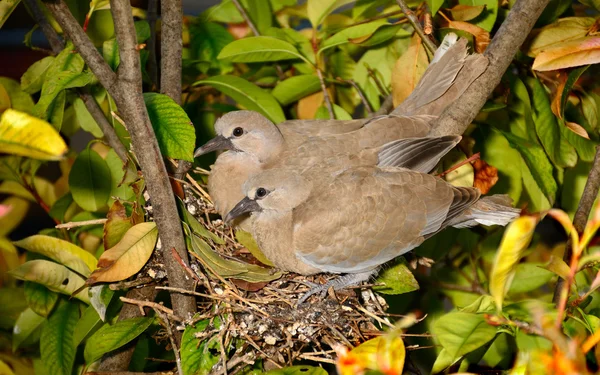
x,y
325,94
171,47
431,47
151,17
56,43
504,45
153,168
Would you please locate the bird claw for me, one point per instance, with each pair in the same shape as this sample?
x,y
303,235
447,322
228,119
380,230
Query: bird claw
x,y
315,289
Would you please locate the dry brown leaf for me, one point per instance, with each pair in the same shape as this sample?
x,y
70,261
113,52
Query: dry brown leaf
x,y
486,176
128,256
577,129
117,224
583,51
557,94
308,106
482,37
462,12
408,70
561,31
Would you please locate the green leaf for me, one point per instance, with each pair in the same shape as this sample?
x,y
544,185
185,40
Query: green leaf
x,y
556,146
488,18
56,110
196,226
207,41
537,162
12,303
532,193
297,370
317,10
260,13
225,11
110,52
6,9
260,49
529,277
245,239
101,296
396,279
56,344
435,5
461,333
89,322
195,357
443,361
571,79
339,113
353,32
19,99
383,34
27,323
39,298
33,78
247,94
85,119
122,176
54,276
586,149
516,238
173,128
295,88
61,206
90,181
55,84
111,337
61,251
142,31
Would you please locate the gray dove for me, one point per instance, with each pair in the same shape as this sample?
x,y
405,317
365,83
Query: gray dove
x,y
255,143
362,218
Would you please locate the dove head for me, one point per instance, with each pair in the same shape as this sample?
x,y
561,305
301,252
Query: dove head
x,y
248,132
278,190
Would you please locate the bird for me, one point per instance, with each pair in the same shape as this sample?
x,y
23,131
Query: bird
x,y
256,144
360,219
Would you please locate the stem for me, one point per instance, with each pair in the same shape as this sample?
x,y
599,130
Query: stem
x,y
325,94
171,47
431,47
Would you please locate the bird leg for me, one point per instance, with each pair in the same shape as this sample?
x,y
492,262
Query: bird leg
x,y
345,281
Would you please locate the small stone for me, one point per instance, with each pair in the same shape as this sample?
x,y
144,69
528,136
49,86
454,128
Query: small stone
x,y
270,340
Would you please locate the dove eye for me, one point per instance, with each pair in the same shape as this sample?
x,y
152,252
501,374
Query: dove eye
x,y
261,193
238,132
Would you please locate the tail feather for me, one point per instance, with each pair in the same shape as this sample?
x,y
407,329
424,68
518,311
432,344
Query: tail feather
x,y
492,210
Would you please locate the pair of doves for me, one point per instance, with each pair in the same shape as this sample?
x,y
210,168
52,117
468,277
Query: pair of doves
x,y
346,196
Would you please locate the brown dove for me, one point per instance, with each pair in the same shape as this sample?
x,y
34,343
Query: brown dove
x,y
362,218
256,144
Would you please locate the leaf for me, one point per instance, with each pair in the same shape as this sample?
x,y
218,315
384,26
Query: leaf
x,y
529,277
435,5
89,322
516,238
383,34
382,354
461,333
33,78
208,39
25,135
60,208
297,370
196,226
462,176
85,119
19,99
563,30
547,128
39,298
338,112
128,256
54,276
122,177
173,128
260,49
486,176
481,35
61,251
408,70
27,323
117,224
110,52
353,32
247,94
18,211
317,10
443,361
462,12
245,239
56,344
56,84
101,296
488,18
56,110
111,337
397,279
579,52
295,88
90,181
537,162
195,357
6,9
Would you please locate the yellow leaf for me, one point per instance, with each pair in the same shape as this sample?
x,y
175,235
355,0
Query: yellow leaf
x,y
515,240
9,260
61,251
577,129
128,256
385,354
44,188
462,12
583,51
18,209
4,99
53,276
408,70
462,176
25,135
561,31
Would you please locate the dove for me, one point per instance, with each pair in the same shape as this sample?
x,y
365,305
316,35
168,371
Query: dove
x,y
360,219
256,144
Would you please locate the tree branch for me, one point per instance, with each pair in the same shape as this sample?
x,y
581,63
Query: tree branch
x,y
431,47
56,43
151,17
171,47
146,147
504,45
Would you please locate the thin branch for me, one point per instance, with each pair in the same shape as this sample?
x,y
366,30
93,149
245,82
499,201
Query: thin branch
x,y
153,305
360,94
171,47
151,17
325,94
386,106
173,342
431,47
505,44
76,224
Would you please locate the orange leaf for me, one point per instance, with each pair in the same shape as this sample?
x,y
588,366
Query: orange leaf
x,y
408,70
308,106
462,12
559,32
583,51
486,176
577,129
482,37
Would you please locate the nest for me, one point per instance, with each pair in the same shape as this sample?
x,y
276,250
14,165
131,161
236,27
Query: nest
x,y
266,316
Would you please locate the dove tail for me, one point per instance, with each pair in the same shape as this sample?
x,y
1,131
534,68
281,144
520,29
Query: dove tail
x,y
492,210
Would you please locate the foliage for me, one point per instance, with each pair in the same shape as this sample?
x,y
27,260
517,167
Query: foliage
x,y
488,297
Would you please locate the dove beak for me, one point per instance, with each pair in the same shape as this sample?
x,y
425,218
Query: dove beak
x,y
217,143
244,206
